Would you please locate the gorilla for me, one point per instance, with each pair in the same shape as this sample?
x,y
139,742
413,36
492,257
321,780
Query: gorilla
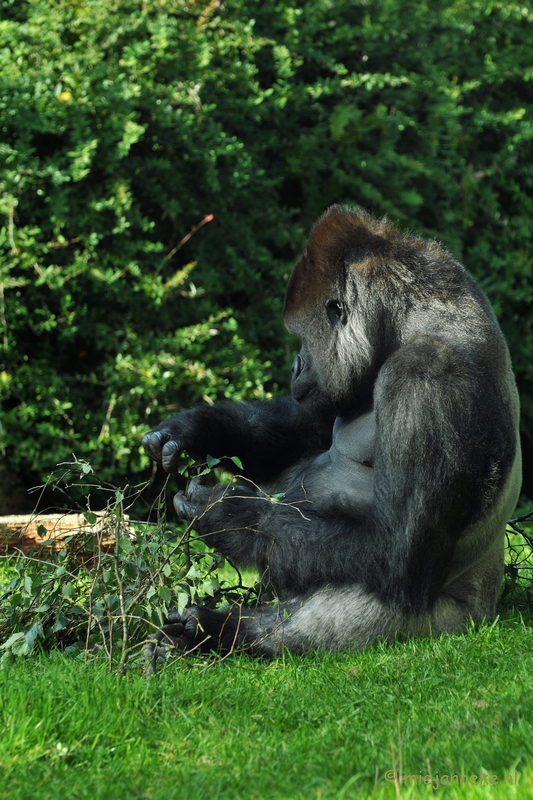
x,y
376,497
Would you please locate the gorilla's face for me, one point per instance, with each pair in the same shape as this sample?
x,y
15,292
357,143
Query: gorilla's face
x,y
333,366
329,308
347,300
326,373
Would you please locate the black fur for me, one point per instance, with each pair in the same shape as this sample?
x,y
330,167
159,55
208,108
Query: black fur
x,y
398,453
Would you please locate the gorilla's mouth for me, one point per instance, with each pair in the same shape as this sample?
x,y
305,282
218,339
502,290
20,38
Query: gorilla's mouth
x,y
300,388
300,393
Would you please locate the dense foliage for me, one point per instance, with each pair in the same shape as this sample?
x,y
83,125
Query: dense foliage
x,y
125,124
105,599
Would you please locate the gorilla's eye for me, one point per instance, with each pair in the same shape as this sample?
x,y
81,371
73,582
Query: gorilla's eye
x,y
336,312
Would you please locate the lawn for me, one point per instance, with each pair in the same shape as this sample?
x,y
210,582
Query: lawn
x,y
322,726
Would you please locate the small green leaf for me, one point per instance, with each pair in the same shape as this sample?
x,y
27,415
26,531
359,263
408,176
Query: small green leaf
x,y
60,623
33,633
124,544
194,572
184,600
165,594
275,498
210,586
21,648
15,637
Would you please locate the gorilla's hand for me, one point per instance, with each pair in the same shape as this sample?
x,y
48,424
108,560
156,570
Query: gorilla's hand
x,y
187,431
197,499
160,446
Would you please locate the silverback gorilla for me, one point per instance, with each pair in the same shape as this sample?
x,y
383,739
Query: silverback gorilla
x,y
398,454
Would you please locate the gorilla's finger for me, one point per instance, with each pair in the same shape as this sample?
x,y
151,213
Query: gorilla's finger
x,y
170,454
186,622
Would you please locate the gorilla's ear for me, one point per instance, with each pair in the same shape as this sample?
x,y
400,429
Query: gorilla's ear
x,y
343,239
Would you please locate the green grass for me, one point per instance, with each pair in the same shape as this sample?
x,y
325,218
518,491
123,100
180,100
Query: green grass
x,y
323,726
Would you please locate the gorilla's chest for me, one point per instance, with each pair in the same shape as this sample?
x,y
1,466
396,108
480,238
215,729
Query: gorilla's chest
x,y
344,474
354,439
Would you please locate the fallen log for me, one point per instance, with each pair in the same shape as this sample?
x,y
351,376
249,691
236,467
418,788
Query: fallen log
x,y
42,534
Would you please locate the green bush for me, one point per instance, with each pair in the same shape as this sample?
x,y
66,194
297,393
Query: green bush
x,y
107,585
125,124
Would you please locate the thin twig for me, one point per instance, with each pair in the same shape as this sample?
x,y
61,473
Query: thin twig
x,y
186,238
120,586
11,230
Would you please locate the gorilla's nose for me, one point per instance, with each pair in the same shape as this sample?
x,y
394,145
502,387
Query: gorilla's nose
x,y
297,366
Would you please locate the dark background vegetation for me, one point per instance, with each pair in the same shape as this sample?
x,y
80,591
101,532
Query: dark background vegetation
x,y
124,123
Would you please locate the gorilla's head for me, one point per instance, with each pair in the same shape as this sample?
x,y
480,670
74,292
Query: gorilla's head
x,y
348,300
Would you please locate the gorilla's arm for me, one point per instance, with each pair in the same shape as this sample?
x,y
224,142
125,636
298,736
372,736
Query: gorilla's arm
x,y
294,542
267,436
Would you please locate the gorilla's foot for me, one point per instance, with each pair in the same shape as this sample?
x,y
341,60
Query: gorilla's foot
x,y
176,635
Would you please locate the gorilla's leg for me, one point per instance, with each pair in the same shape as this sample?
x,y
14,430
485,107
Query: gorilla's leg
x,y
330,619
333,618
